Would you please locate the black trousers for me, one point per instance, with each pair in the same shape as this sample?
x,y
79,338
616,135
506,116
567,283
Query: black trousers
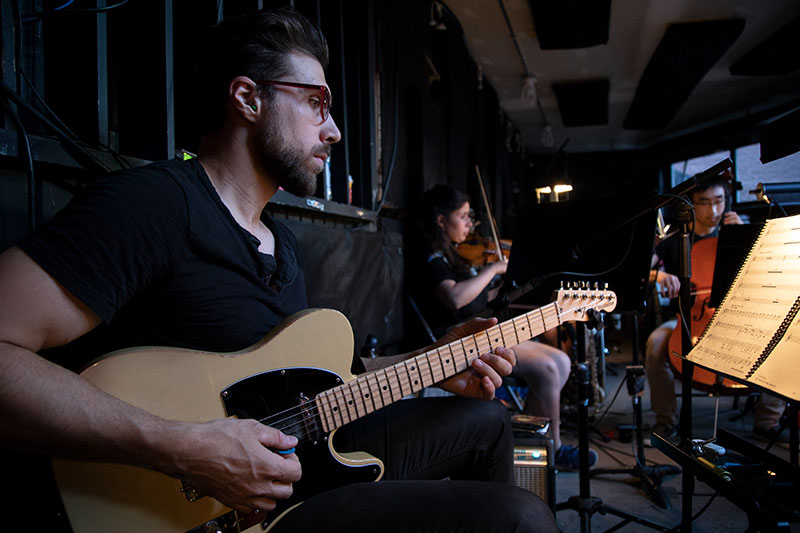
x,y
448,467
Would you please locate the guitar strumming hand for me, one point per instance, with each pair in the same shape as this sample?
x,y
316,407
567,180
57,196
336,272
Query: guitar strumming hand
x,y
238,462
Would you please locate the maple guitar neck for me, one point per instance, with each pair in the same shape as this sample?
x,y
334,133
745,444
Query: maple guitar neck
x,y
370,392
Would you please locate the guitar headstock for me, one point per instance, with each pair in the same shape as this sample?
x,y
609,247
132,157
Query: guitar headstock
x,y
578,298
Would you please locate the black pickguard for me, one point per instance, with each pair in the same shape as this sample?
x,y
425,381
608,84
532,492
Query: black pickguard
x,y
268,397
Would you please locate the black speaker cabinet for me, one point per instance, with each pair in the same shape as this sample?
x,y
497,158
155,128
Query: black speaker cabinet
x,y
534,467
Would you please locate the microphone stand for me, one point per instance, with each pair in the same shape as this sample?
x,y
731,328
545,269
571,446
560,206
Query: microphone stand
x,y
584,503
684,218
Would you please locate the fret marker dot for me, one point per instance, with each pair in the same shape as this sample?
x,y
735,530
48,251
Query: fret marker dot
x,y
366,395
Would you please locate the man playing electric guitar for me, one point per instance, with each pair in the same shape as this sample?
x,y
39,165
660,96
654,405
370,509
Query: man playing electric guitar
x,y
182,254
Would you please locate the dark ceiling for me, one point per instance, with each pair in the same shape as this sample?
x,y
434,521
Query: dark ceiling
x,y
622,74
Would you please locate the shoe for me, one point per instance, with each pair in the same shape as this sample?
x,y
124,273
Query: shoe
x,y
771,434
568,457
667,431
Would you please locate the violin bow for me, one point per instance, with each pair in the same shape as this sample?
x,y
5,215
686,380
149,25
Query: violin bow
x,y
492,221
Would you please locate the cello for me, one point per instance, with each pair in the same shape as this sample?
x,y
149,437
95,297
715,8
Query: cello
x,y
704,253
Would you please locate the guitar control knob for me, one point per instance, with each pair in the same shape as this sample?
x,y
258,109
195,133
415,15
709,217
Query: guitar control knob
x,y
212,527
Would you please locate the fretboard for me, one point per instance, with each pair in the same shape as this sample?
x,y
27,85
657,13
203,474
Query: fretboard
x,y
370,392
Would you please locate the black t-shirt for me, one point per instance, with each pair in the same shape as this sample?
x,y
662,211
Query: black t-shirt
x,y
432,270
158,256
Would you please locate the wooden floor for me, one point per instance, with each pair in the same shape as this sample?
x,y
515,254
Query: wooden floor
x,y
626,492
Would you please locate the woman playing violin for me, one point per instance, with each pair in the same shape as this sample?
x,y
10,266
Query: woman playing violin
x,y
448,290
710,199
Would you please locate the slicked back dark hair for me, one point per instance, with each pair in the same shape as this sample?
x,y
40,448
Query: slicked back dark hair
x,y
256,45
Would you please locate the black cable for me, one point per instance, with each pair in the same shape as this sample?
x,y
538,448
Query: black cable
x,y
78,152
698,513
611,403
119,157
32,17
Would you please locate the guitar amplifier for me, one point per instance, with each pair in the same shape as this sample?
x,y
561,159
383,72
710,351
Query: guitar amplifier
x,y
534,468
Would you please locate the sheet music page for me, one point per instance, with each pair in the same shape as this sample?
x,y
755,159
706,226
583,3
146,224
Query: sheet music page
x,y
756,304
779,370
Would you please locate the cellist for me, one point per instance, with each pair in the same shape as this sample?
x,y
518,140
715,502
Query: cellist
x,y
710,200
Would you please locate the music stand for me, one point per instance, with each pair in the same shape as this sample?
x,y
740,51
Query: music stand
x,y
733,243
572,241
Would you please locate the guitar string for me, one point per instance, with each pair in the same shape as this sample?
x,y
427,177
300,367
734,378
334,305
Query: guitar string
x,y
394,389
301,413
314,409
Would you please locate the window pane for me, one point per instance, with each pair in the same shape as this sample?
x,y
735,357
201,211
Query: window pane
x,y
750,172
683,170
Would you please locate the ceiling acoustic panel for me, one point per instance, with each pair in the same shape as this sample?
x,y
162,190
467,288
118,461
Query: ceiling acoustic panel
x,y
566,24
777,55
583,103
685,54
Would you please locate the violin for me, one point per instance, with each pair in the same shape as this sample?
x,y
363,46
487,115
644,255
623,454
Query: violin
x,y
704,254
480,251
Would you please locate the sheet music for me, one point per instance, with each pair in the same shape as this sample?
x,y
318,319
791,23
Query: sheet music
x,y
778,372
754,308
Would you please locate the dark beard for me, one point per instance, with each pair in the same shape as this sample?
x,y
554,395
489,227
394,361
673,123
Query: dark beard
x,y
285,163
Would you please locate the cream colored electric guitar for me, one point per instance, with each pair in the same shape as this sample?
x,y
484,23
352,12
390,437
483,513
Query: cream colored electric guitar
x,y
297,380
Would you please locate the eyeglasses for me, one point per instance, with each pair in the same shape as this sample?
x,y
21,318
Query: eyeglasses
x,y
324,94
717,202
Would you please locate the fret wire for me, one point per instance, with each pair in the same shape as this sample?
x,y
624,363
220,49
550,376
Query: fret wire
x,y
514,329
361,398
333,409
355,399
429,373
530,327
434,377
371,385
502,337
347,408
326,424
400,376
452,359
385,386
465,354
441,362
420,369
410,377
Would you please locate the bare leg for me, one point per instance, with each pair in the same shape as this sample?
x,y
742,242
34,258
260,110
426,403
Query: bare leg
x,y
545,369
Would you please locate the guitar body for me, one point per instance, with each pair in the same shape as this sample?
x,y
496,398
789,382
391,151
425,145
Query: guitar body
x,y
289,364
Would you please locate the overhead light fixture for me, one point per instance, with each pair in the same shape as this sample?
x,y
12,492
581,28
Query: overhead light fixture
x,y
529,97
561,189
540,191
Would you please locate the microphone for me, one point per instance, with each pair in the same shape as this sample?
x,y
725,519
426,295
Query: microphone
x,y
687,186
